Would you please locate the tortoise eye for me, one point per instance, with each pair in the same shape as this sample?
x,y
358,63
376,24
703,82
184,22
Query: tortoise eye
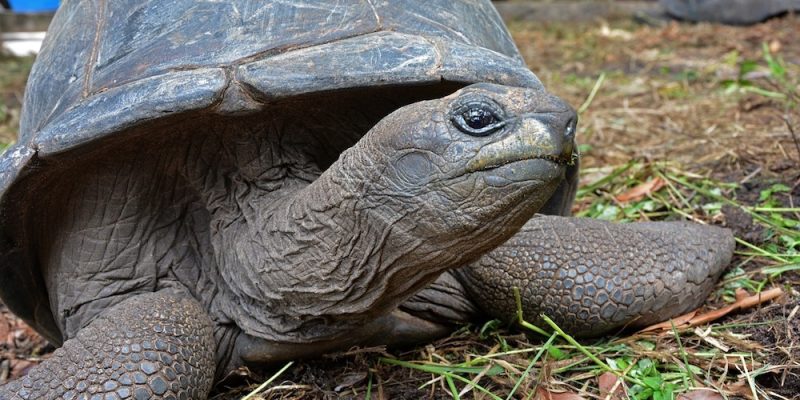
x,y
477,119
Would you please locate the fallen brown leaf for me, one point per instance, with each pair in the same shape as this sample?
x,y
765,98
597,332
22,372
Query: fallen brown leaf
x,y
544,394
639,191
741,303
701,394
611,387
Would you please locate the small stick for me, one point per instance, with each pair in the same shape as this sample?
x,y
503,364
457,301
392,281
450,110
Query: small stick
x,y
794,135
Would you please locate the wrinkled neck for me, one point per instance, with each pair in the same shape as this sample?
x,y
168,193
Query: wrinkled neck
x,y
319,260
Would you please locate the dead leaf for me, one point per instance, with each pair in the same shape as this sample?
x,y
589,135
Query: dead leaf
x,y
611,387
639,191
544,394
701,394
742,303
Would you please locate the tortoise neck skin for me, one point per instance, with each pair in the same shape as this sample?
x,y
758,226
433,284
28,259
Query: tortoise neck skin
x,y
404,204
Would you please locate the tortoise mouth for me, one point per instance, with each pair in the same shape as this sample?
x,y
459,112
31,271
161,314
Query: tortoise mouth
x,y
564,159
533,171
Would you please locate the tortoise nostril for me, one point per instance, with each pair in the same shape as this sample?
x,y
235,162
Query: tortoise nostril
x,y
569,130
568,146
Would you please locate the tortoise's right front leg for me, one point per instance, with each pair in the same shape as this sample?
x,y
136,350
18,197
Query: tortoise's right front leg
x,y
153,345
589,276
592,276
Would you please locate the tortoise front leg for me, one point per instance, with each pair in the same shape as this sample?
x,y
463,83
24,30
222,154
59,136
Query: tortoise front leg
x,y
153,345
592,276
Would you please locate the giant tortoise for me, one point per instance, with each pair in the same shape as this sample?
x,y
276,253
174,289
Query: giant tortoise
x,y
203,185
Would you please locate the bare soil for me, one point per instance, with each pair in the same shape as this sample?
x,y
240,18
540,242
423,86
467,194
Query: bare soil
x,y
777,331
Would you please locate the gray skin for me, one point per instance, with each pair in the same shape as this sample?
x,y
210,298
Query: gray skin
x,y
171,213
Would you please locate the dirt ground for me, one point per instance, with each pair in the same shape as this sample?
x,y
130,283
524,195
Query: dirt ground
x,y
668,91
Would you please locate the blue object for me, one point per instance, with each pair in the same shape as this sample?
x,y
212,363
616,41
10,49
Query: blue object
x,y
33,6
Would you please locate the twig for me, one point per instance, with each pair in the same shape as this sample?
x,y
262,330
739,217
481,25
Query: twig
x,y
794,135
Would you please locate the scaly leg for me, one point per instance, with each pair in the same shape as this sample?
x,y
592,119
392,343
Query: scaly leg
x,y
589,276
592,276
153,345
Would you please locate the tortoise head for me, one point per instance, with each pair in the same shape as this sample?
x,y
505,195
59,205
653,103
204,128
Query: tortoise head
x,y
487,153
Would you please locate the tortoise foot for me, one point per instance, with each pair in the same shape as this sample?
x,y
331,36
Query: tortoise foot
x,y
152,345
594,276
